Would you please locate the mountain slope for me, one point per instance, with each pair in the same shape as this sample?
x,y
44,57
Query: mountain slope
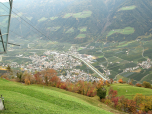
x,y
38,100
55,18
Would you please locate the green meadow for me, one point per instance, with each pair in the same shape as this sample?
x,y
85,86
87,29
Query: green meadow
x,y
35,99
53,28
127,30
145,36
53,18
81,36
124,44
130,91
82,29
42,19
127,8
83,14
70,30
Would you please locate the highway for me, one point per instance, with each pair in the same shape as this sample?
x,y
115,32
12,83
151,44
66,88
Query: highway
x,y
91,67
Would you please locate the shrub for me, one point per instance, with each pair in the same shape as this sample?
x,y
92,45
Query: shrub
x,y
112,94
119,106
143,103
28,78
101,92
107,101
63,86
146,84
139,85
115,101
115,82
5,76
102,100
124,82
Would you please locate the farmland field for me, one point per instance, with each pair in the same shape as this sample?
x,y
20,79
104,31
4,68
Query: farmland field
x,y
53,28
83,14
70,30
42,19
83,29
129,91
127,30
127,8
53,18
81,36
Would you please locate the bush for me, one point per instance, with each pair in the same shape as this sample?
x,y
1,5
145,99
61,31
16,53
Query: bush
x,y
146,84
139,85
112,94
144,103
124,82
101,92
107,101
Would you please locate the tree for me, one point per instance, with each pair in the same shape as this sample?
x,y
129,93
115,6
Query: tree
x,y
38,77
48,74
120,81
19,76
146,84
100,83
9,68
101,92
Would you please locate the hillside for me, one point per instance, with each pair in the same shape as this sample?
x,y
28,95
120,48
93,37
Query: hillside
x,y
130,91
86,20
26,99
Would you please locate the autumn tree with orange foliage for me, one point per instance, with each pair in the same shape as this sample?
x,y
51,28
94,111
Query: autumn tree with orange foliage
x,y
47,75
54,80
100,83
38,78
120,81
28,78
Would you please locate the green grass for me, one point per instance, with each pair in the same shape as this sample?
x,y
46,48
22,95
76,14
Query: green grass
x,y
16,59
124,44
131,90
42,19
83,14
82,29
68,15
53,28
70,30
53,18
80,48
81,36
127,30
100,56
145,36
34,99
127,8
123,78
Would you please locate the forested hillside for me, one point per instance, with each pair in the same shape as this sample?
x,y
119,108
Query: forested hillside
x,y
80,21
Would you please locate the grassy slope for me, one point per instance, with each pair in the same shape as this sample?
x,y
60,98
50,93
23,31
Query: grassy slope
x,y
127,30
33,99
131,90
127,8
